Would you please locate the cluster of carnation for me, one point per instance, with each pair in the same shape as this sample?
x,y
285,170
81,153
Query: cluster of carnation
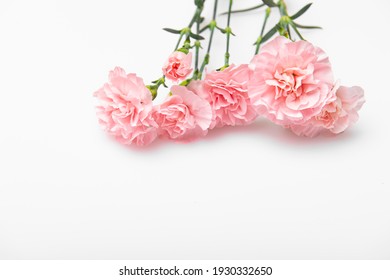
x,y
290,83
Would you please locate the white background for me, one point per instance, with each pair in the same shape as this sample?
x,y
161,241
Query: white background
x,y
68,191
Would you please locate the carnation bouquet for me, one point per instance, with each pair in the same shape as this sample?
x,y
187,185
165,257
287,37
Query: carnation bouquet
x,y
288,81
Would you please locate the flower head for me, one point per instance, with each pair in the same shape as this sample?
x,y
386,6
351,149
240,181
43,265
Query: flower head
x,y
336,116
227,92
183,115
178,66
290,82
124,108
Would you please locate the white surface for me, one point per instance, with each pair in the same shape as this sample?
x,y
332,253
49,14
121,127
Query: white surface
x,y
67,191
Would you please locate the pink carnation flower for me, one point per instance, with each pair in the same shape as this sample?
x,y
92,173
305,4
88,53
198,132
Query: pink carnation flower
x,y
227,93
183,115
178,66
290,81
336,116
124,108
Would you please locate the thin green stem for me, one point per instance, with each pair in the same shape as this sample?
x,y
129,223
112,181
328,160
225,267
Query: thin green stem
x,y
285,20
245,10
259,40
282,8
228,34
215,9
179,41
194,18
267,13
212,27
153,88
211,37
197,42
197,46
285,24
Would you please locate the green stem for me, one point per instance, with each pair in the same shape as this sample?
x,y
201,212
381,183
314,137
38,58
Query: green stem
x,y
185,31
284,20
267,13
282,8
153,88
259,40
194,18
228,33
197,42
179,41
215,9
245,10
197,46
284,25
212,27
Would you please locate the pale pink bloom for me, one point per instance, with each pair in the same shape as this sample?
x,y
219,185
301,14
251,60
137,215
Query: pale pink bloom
x,y
197,87
124,109
227,92
178,66
183,116
290,82
336,116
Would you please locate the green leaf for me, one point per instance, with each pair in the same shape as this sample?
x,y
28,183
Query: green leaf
x,y
204,28
199,3
269,34
174,31
297,31
301,11
195,36
270,3
307,26
221,29
244,10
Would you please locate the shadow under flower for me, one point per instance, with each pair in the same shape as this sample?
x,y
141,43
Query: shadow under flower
x,y
263,129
